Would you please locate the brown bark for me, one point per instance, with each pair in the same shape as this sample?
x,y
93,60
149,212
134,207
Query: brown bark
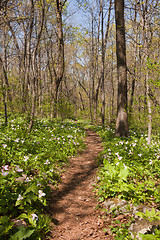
x,y
103,68
34,69
135,65
122,116
145,27
59,71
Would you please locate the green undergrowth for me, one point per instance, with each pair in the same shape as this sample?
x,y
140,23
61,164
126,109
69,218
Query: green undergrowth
x,y
29,164
129,170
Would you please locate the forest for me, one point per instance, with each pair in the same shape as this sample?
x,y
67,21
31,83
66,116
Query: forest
x,y
67,66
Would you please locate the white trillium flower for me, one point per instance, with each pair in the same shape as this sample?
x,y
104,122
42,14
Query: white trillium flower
x,y
41,193
34,216
19,197
5,173
38,183
47,162
27,179
19,169
26,158
124,166
5,167
120,158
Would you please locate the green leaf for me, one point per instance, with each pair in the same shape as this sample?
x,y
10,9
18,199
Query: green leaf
x,y
23,216
23,233
32,188
4,220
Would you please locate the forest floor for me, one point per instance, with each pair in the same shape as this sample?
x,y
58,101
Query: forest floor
x,y
74,204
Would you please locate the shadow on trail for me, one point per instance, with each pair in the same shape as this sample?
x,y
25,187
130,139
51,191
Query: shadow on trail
x,y
74,182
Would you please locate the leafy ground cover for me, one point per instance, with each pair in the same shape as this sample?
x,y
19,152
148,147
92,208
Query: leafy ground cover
x,y
29,164
130,171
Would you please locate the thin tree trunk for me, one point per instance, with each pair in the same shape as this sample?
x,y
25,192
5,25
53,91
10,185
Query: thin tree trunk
x,y
122,116
145,27
4,100
35,69
59,71
103,59
112,83
135,65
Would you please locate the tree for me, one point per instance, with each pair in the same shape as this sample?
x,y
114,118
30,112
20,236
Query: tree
x,y
59,70
122,116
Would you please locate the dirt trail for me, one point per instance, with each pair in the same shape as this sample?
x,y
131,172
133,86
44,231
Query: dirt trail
x,y
74,203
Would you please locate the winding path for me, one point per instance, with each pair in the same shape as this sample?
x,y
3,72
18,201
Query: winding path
x,y
74,204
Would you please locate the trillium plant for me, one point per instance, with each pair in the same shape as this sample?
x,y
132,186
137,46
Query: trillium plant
x,y
130,170
30,164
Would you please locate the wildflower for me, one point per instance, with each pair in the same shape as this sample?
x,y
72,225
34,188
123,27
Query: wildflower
x,y
130,152
5,167
38,183
27,179
19,169
19,197
17,140
117,154
117,163
26,158
133,144
140,154
47,162
150,162
34,216
41,194
124,166
120,158
4,145
5,173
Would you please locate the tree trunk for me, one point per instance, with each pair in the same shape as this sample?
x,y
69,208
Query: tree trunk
x,y
35,69
135,66
59,71
145,27
122,116
103,59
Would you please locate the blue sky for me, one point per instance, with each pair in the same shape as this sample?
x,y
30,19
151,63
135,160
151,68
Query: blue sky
x,y
78,17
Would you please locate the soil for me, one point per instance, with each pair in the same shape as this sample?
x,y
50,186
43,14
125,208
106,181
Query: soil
x,y
74,204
